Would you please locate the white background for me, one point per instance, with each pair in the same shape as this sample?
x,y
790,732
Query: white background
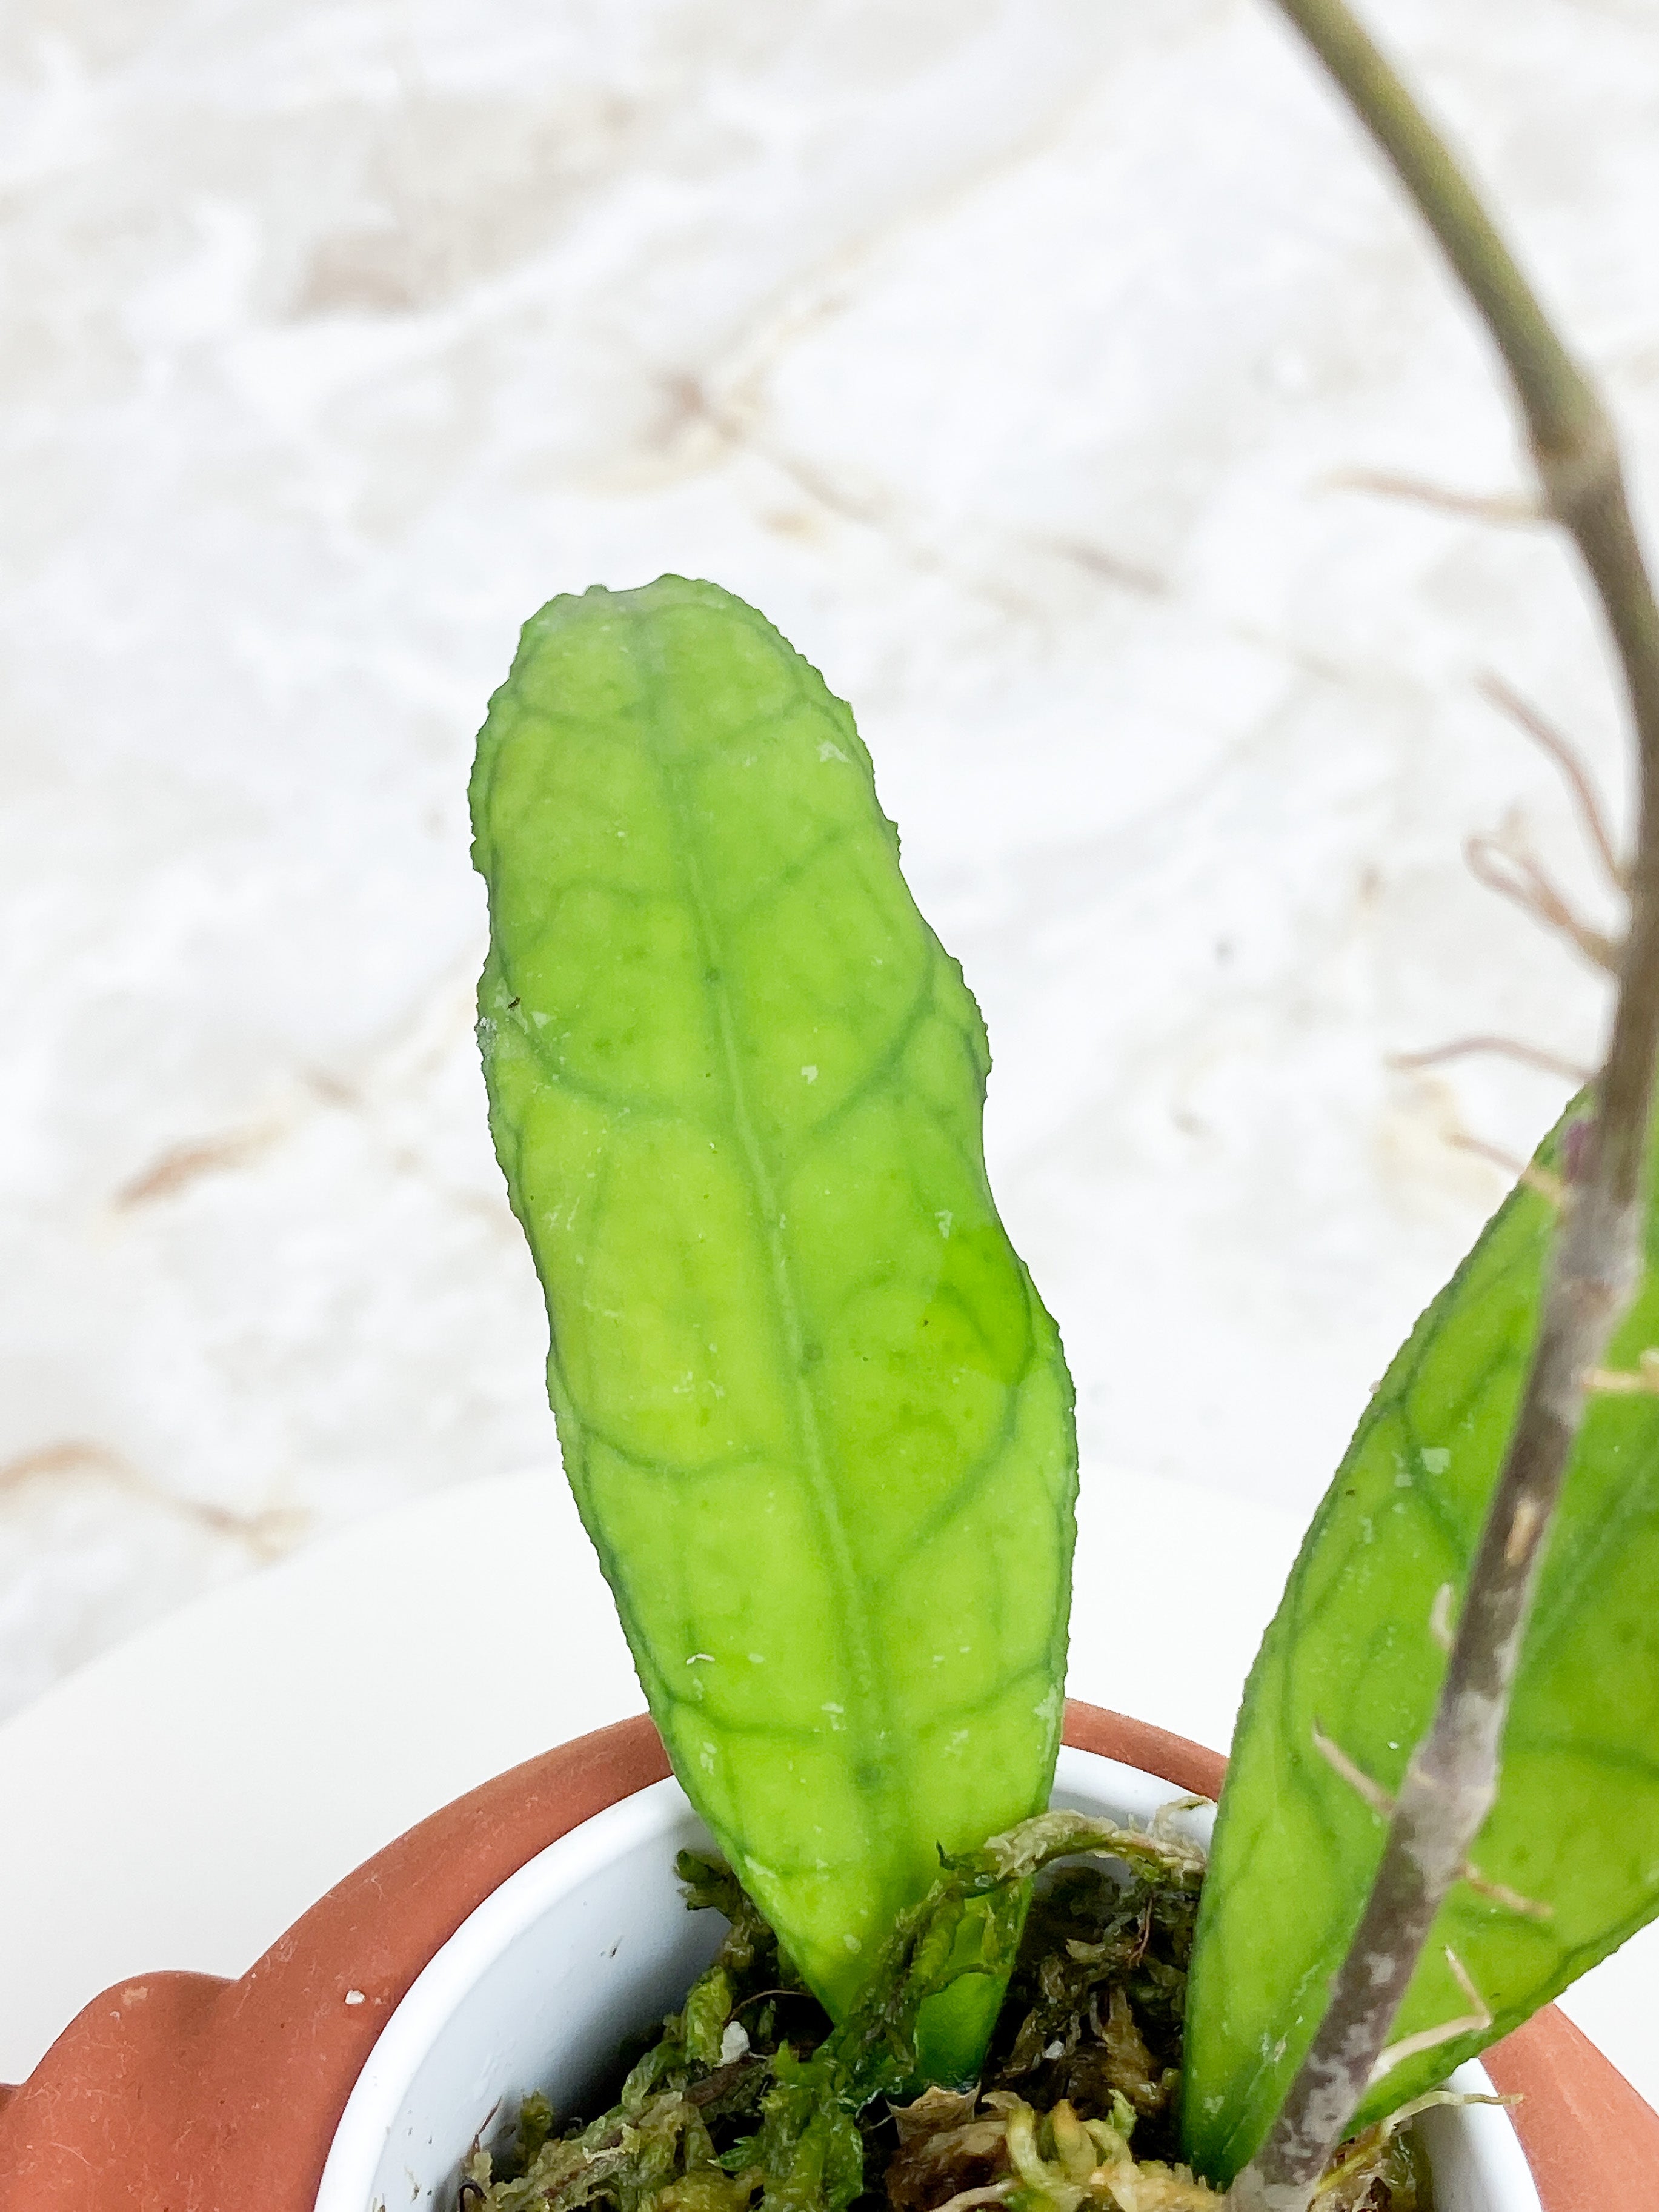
x,y
1010,354
1005,355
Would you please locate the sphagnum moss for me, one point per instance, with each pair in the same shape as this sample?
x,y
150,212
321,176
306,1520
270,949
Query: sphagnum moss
x,y
750,2100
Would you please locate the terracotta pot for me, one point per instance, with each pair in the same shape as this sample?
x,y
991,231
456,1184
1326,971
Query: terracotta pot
x,y
182,2092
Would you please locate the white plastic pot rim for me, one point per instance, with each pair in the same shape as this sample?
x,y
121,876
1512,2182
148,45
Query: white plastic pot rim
x,y
589,1941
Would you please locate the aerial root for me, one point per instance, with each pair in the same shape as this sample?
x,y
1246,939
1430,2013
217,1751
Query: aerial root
x,y
1371,2140
1547,1184
1642,1382
1529,1908
1380,1800
1504,507
1475,2021
1592,814
1529,1055
1384,1804
1507,864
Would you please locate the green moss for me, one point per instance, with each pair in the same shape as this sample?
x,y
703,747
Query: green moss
x,y
750,2100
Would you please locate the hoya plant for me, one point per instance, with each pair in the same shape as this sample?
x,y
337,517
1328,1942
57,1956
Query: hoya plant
x,y
819,1423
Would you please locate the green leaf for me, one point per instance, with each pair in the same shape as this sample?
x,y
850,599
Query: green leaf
x,y
816,1418
1576,1828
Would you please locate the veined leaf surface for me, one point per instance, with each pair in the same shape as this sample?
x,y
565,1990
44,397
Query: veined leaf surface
x,y
817,1420
1353,1652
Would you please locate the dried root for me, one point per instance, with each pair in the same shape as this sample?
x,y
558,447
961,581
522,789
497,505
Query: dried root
x,y
958,2152
1050,2161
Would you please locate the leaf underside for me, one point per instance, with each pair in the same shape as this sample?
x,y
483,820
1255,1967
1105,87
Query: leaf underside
x,y
816,1420
1351,1651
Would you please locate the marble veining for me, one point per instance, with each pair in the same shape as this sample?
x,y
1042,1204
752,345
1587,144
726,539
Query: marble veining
x,y
1057,376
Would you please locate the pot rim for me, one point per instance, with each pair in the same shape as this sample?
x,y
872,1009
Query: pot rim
x,y
182,2089
487,1933
1479,2139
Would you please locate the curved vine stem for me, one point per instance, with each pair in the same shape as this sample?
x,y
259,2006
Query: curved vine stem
x,y
1451,1780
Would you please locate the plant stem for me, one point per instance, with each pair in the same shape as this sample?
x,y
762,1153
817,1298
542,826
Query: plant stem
x,y
1451,1780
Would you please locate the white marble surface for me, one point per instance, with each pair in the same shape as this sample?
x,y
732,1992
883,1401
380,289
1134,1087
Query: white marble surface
x,y
1007,352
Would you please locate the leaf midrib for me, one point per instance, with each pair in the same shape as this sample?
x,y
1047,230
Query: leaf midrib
x,y
853,1611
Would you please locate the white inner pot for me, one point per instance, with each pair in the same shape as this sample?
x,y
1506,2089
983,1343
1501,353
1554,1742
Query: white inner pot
x,y
591,1942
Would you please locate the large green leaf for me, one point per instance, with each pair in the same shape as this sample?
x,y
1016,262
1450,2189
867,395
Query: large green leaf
x,y
818,1422
1351,1651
